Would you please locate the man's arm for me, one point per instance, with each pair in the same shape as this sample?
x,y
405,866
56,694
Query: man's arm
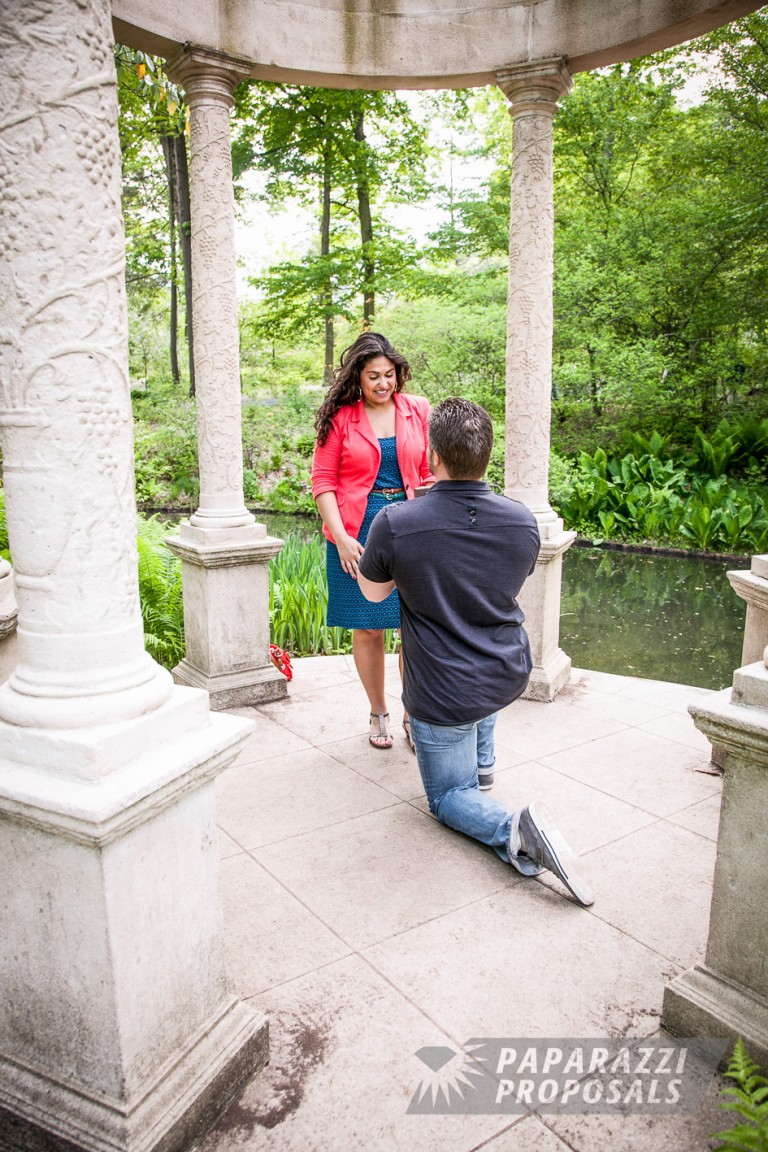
x,y
375,564
372,590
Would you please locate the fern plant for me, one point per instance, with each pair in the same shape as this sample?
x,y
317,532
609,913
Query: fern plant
x,y
749,1100
160,593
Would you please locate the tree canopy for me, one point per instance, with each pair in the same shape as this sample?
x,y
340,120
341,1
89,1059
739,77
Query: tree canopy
x,y
661,219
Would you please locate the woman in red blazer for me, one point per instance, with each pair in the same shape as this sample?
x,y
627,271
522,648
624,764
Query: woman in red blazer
x,y
371,450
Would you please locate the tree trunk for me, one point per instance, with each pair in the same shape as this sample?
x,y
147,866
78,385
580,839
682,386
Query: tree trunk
x,y
325,251
185,226
366,223
170,165
595,383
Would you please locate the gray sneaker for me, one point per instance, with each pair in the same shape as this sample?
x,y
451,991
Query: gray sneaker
x,y
545,844
485,779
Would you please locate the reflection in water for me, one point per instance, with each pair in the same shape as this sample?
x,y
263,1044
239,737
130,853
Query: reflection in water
x,y
661,617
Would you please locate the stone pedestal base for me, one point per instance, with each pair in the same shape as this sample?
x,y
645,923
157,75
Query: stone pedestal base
x,y
226,614
540,600
117,1033
702,1003
234,689
172,1115
728,996
547,679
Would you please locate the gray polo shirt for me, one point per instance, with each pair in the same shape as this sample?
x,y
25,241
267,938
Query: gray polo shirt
x,y
459,556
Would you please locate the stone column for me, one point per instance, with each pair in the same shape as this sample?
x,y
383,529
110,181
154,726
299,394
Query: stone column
x,y
224,552
533,91
728,994
116,1028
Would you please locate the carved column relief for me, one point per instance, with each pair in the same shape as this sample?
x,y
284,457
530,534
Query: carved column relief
x,y
64,397
533,92
209,81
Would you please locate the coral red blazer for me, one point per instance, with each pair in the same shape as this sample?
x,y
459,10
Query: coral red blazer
x,y
348,462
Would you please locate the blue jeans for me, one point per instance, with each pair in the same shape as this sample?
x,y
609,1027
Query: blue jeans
x,y
448,759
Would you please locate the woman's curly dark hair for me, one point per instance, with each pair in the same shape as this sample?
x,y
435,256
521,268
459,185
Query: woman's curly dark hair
x,y
345,386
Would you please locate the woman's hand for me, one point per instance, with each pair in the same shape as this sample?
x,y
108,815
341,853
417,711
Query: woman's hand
x,y
350,551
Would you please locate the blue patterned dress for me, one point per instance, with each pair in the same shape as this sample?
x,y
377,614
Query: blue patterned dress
x,y
347,607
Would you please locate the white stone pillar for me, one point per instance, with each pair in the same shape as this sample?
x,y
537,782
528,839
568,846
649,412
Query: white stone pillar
x,y
728,994
224,552
116,1028
533,91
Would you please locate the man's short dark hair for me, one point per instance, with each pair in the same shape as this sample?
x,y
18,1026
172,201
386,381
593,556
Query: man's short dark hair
x,y
461,433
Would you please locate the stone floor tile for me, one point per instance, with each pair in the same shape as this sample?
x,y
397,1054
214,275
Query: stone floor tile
x,y
325,715
673,697
527,962
656,886
613,705
607,682
269,936
585,816
385,872
342,1072
642,769
703,817
227,846
268,738
275,800
456,944
393,769
642,1133
534,729
529,1134
679,726
313,673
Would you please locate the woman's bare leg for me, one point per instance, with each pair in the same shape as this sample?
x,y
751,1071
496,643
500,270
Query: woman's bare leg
x,y
368,653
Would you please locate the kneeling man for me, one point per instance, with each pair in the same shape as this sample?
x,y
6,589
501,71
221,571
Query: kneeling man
x,y
458,557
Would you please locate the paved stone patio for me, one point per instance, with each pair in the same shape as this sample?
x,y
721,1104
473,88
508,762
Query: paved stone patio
x,y
366,930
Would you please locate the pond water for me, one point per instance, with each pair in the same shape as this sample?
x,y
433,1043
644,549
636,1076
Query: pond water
x,y
661,617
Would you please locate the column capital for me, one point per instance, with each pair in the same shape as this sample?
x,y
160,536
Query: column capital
x,y
204,72
535,87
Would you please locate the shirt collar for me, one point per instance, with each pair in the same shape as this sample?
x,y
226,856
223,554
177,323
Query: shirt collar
x,y
462,486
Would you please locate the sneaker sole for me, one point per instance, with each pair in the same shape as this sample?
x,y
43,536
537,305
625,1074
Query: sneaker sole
x,y
562,860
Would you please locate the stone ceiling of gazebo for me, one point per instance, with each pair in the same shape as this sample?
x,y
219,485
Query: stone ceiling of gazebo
x,y
415,43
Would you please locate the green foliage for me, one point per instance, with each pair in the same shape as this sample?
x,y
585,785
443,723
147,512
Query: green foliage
x,y
644,498
660,286
165,444
561,478
749,1100
4,549
298,601
160,593
343,150
455,344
